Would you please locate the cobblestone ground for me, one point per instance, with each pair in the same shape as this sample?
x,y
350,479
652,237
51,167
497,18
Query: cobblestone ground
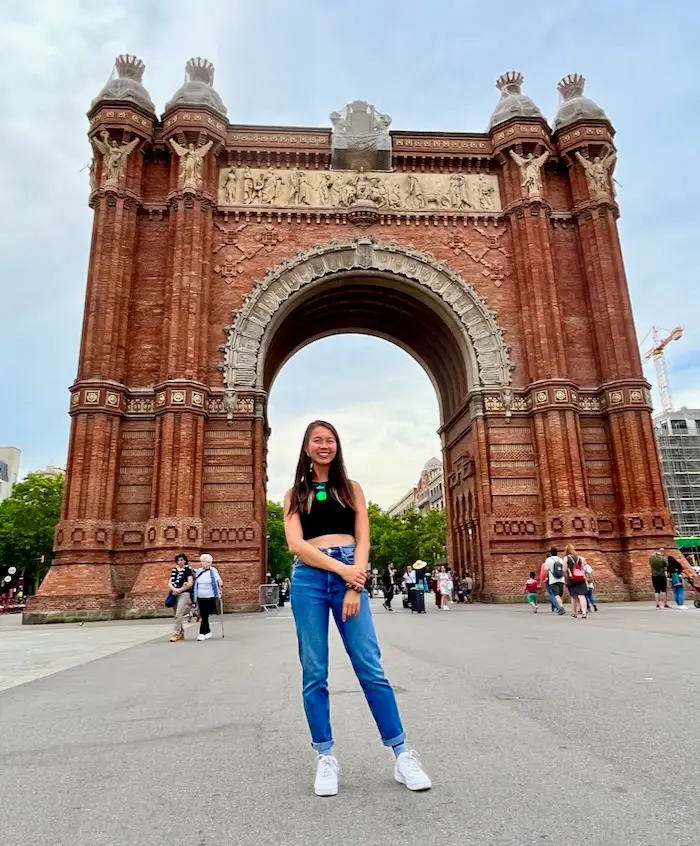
x,y
535,729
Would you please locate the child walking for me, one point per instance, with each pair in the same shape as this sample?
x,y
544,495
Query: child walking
x,y
531,588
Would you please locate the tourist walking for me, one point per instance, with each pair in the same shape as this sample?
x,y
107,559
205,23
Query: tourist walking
x,y
590,587
544,580
445,588
658,564
409,582
327,530
468,586
675,575
181,581
532,586
207,589
576,582
388,586
556,578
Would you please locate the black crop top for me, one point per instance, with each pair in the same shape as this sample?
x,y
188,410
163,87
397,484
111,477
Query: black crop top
x,y
327,517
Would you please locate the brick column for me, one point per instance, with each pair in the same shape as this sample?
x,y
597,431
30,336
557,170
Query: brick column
x,y
176,505
644,520
81,582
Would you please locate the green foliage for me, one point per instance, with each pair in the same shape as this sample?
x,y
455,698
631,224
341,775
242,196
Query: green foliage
x,y
401,540
279,558
28,520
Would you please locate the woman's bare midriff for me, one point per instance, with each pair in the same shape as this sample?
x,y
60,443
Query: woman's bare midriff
x,y
326,541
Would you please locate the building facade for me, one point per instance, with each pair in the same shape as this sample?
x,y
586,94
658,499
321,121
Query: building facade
x,y
678,436
219,249
9,470
427,495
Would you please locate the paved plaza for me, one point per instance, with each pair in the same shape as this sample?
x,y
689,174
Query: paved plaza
x,y
535,729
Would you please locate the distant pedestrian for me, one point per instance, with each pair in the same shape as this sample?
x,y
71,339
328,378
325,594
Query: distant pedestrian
x,y
556,578
658,564
590,587
576,582
675,575
468,587
532,586
388,586
409,582
207,589
445,588
544,580
181,581
435,586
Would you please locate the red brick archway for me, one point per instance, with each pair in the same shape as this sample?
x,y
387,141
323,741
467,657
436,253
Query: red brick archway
x,y
501,274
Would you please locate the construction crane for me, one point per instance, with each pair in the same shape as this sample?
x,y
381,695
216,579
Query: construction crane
x,y
658,355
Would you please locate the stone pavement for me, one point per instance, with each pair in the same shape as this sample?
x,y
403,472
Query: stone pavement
x,y
535,729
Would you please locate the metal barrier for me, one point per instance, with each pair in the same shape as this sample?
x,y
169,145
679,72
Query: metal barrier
x,y
269,596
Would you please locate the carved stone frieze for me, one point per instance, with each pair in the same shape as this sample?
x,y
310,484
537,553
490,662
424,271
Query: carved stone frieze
x,y
242,365
275,188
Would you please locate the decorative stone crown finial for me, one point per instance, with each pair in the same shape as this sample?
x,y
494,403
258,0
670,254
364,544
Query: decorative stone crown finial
x,y
200,70
574,105
129,67
198,87
510,82
513,103
572,86
127,85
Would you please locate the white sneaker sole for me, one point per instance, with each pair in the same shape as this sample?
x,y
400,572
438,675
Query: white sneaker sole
x,y
418,789
328,791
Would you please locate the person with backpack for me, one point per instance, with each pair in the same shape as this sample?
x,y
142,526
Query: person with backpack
x,y
556,578
531,588
207,589
675,575
576,582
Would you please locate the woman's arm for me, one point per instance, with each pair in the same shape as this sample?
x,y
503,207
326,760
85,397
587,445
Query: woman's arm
x,y
312,556
361,527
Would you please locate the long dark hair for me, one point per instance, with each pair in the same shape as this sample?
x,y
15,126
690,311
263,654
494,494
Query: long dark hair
x,y
338,483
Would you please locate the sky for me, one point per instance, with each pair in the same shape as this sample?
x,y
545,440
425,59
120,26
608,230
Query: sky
x,y
431,66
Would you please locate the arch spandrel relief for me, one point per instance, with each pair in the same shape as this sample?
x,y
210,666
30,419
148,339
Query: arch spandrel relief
x,y
328,189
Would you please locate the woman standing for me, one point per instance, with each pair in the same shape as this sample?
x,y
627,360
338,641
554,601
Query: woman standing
x,y
181,581
327,530
576,581
207,589
445,586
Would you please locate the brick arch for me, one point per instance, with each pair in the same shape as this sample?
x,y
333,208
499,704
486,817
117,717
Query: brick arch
x,y
377,288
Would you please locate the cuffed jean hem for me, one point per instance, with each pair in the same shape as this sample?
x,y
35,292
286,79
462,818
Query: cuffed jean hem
x,y
395,741
323,748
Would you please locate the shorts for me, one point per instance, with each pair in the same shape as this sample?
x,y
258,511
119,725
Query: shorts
x,y
557,588
532,597
660,584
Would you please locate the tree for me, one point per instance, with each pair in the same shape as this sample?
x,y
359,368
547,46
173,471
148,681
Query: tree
x,y
432,536
279,558
28,520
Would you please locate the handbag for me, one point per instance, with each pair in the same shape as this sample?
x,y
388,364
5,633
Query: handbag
x,y
170,600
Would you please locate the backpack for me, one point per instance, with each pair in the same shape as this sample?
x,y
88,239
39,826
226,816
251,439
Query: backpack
x,y
557,569
576,572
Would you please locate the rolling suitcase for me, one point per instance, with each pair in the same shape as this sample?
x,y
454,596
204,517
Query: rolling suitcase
x,y
405,600
417,601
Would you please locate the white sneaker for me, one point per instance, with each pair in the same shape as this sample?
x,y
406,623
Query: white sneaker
x,y
201,637
206,636
408,771
326,783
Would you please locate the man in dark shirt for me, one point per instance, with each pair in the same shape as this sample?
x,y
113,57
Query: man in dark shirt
x,y
181,582
658,563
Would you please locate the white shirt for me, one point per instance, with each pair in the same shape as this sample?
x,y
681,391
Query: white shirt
x,y
203,582
409,578
549,563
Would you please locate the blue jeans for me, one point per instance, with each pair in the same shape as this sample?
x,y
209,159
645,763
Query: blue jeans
x,y
679,594
550,594
314,594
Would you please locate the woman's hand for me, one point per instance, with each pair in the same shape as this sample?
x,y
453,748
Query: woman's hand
x,y
351,604
354,574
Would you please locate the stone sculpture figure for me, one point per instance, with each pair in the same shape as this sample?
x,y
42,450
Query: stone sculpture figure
x,y
92,175
272,182
191,158
485,192
248,186
459,196
114,156
414,193
531,171
229,187
597,172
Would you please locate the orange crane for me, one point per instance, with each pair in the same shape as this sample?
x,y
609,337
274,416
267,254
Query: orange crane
x,y
657,353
